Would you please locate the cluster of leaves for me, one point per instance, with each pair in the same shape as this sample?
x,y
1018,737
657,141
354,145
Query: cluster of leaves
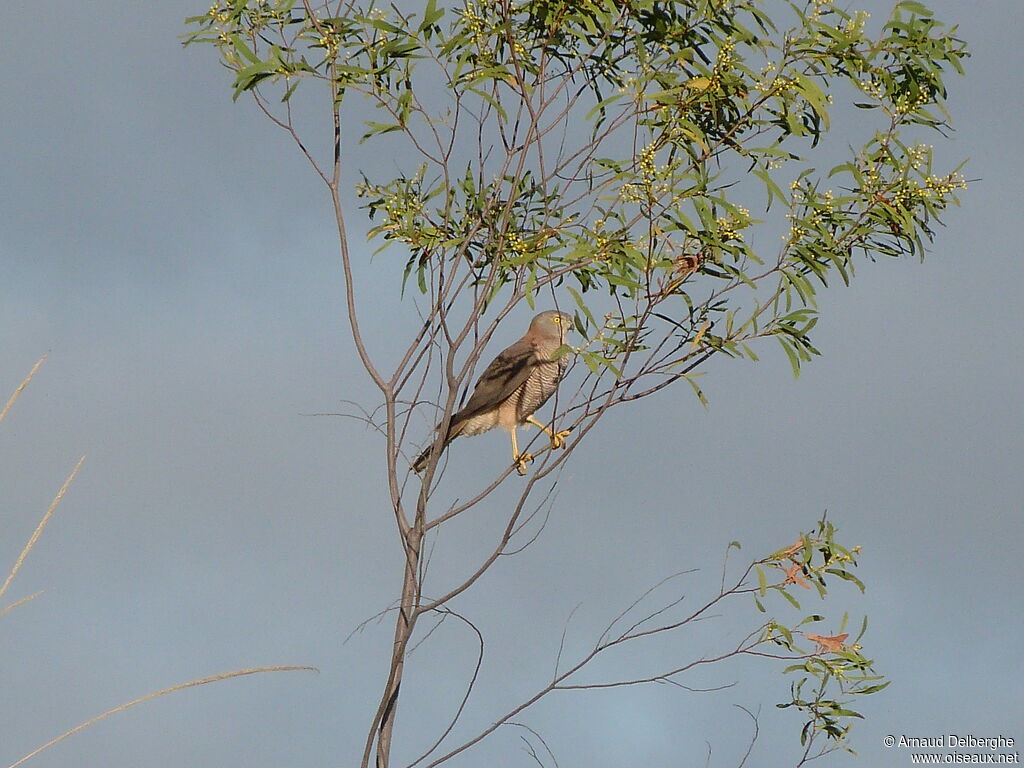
x,y
599,143
832,670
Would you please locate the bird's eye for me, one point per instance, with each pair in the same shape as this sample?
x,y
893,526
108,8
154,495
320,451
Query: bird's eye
x,y
556,319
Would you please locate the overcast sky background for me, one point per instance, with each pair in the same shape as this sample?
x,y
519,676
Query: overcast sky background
x,y
176,259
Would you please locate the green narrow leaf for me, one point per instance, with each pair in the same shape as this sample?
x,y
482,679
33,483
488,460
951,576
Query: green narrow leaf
x,y
245,50
912,7
794,360
696,388
841,712
291,89
863,629
792,600
846,576
582,305
872,688
430,15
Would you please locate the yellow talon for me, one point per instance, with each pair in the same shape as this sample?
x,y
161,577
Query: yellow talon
x,y
558,438
522,461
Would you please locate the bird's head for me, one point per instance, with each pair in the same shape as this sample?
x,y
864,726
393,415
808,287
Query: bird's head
x,y
551,325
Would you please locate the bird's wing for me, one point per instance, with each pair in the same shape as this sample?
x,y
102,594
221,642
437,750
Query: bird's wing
x,y
499,381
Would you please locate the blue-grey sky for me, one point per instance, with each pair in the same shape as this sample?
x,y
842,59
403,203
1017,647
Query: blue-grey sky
x,y
176,259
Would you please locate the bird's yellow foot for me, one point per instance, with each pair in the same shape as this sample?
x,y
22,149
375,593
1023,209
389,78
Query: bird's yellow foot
x,y
558,438
522,461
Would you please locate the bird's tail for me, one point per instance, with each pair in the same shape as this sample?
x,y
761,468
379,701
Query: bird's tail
x,y
421,461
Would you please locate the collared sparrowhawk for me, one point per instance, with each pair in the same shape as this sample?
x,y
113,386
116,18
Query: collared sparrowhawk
x,y
515,384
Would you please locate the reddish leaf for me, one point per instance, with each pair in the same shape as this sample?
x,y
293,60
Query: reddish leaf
x,y
832,644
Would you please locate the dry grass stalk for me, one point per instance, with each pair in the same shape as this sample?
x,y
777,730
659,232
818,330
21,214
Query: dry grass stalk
x,y
21,387
39,531
154,695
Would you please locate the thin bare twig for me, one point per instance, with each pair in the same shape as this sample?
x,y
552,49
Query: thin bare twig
x,y
469,687
753,738
539,738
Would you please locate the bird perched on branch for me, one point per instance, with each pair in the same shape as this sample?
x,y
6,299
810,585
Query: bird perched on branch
x,y
516,383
